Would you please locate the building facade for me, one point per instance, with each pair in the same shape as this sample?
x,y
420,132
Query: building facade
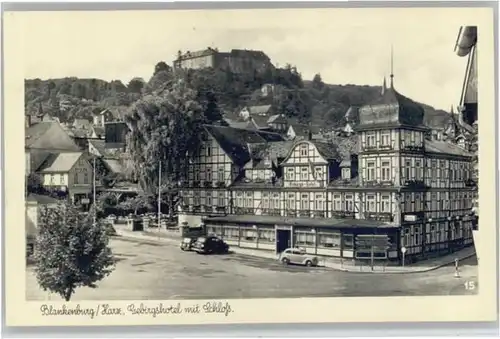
x,y
257,190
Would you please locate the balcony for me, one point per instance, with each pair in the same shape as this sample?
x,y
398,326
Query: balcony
x,y
343,214
271,211
370,147
207,184
243,210
414,184
386,147
220,184
196,183
382,216
220,209
413,148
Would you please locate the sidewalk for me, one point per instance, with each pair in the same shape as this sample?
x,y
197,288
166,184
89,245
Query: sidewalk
x,y
334,263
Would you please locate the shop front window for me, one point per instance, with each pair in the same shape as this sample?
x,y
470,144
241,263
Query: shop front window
x,y
266,236
249,235
348,242
305,239
329,240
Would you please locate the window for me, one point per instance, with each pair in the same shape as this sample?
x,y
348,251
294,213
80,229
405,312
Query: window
x,y
304,202
337,203
239,199
209,201
319,204
53,179
349,203
329,240
386,170
370,171
222,199
76,177
406,238
305,239
318,173
417,236
231,233
248,200
304,174
249,235
346,173
419,171
303,151
196,199
386,204
408,170
266,236
370,140
209,151
348,241
265,200
370,203
220,174
289,173
86,178
209,174
291,202
275,202
386,139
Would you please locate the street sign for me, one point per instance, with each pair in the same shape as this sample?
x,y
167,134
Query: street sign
x,y
403,250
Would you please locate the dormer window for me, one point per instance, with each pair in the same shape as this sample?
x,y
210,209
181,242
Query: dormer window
x,y
346,173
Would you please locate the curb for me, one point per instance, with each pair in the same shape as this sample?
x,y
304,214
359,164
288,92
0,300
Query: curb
x,y
151,238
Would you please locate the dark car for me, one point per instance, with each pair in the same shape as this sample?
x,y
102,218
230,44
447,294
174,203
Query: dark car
x,y
210,245
187,244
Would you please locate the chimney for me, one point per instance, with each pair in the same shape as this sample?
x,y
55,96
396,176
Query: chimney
x,y
309,135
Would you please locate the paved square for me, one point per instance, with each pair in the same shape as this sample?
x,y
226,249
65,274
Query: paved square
x,y
159,271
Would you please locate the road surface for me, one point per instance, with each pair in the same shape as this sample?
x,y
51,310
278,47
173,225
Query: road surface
x,y
159,271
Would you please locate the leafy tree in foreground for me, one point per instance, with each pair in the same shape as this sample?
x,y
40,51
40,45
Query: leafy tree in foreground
x,y
71,250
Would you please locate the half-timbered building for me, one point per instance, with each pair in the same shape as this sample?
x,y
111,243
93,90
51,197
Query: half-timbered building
x,y
257,190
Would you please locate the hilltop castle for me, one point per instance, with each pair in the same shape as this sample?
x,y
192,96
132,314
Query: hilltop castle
x,y
237,60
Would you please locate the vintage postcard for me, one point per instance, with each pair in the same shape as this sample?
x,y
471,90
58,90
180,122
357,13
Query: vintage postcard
x,y
250,166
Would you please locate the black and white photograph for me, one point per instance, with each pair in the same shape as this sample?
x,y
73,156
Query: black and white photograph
x,y
247,159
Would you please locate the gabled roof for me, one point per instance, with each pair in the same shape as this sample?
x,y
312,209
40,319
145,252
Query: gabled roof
x,y
234,141
277,119
60,162
235,123
262,109
48,135
443,147
260,122
303,130
99,145
114,165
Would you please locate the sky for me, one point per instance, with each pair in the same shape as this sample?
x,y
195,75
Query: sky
x,y
346,46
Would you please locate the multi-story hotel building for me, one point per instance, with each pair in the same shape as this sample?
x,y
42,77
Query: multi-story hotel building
x,y
257,190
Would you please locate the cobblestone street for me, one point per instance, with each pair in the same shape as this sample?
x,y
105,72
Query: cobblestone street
x,y
148,270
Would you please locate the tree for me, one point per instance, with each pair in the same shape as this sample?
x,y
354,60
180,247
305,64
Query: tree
x,y
136,85
162,67
71,250
317,82
164,129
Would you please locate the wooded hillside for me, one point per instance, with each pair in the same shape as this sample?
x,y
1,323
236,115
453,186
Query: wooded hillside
x,y
219,90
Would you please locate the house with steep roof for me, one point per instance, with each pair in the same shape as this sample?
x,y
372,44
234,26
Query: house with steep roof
x,y
68,172
261,110
303,131
42,138
82,124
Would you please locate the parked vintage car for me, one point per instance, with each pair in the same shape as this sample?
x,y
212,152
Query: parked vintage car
x,y
298,256
187,244
210,245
